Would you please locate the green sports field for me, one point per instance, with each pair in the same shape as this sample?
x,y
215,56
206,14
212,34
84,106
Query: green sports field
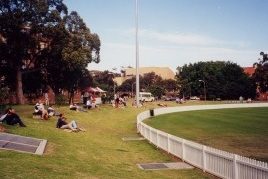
x,y
241,131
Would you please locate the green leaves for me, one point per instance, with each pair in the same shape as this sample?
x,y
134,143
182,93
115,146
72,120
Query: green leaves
x,y
261,73
225,80
39,34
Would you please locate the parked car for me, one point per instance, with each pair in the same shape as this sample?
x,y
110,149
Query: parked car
x,y
194,98
146,97
169,98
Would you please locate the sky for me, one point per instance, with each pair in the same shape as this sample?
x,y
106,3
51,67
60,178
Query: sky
x,y
173,33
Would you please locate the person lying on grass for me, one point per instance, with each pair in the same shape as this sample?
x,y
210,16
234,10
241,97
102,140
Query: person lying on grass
x,y
162,105
11,118
63,124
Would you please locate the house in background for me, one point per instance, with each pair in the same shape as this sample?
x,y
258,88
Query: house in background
x,y
128,73
249,70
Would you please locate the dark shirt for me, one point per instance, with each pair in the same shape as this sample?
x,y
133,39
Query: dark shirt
x,y
60,123
9,117
12,119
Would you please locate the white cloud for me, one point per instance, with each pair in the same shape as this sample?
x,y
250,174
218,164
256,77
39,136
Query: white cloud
x,y
180,39
184,39
189,39
171,49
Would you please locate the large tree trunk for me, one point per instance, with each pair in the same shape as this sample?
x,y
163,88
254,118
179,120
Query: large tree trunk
x,y
71,97
19,91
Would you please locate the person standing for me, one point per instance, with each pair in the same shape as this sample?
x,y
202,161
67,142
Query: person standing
x,y
46,99
85,97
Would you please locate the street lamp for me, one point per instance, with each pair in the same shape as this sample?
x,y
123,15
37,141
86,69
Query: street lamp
x,y
113,75
204,88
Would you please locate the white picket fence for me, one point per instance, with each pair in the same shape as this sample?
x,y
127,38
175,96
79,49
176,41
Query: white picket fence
x,y
220,163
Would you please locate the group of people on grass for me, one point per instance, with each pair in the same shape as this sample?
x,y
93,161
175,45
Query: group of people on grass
x,y
88,103
119,101
39,109
12,118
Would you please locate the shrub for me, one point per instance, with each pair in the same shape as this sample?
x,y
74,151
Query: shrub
x,y
61,99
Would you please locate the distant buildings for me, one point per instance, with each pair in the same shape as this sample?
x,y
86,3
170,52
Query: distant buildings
x,y
128,73
249,70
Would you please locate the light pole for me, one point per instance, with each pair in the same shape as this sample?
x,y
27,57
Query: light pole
x,y
204,89
137,57
113,75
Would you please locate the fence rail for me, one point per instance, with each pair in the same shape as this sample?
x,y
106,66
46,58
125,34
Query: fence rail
x,y
220,163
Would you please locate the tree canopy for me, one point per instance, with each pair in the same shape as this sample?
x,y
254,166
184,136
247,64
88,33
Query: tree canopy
x,y
261,73
104,80
41,37
225,80
150,82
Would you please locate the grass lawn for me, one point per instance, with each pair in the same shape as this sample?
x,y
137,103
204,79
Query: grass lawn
x,y
240,131
97,153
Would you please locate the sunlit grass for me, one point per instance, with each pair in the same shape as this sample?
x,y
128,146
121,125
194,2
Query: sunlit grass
x,y
97,153
240,131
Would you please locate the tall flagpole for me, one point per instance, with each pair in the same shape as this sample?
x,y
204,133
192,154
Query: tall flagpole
x,y
137,57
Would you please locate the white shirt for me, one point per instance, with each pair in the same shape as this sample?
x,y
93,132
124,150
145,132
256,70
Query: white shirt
x,y
89,103
2,117
39,106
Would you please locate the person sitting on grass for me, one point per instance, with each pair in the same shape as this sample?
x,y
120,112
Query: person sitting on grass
x,y
39,108
88,104
178,100
76,107
11,118
63,124
51,111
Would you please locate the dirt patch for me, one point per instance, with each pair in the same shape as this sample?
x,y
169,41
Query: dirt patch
x,y
50,148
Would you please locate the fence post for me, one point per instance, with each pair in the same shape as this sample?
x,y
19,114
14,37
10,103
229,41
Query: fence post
x,y
168,144
138,127
183,150
157,139
204,158
235,174
150,138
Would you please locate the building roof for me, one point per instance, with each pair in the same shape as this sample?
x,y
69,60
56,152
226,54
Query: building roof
x,y
164,72
249,70
119,80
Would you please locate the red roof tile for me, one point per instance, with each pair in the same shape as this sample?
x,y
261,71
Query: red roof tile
x,y
249,70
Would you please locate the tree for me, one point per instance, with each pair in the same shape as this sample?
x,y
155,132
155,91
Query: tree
x,y
33,84
128,85
157,91
4,92
225,80
149,79
170,85
41,37
261,73
73,47
21,26
105,81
